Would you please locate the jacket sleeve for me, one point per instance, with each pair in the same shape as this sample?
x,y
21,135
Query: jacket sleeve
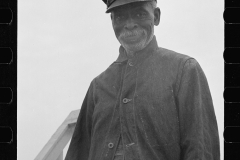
x,y
198,126
80,143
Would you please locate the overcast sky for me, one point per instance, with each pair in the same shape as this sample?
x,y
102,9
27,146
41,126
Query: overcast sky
x,y
64,44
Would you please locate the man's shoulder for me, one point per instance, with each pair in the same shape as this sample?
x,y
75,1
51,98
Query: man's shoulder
x,y
111,70
169,58
166,54
168,61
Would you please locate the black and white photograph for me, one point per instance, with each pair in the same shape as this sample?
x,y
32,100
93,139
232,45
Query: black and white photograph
x,y
120,80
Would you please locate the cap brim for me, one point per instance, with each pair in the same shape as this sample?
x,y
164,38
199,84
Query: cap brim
x,y
118,3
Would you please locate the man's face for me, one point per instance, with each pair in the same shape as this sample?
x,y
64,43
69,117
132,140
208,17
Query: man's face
x,y
133,24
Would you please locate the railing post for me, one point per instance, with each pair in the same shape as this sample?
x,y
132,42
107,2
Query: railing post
x,y
60,157
53,150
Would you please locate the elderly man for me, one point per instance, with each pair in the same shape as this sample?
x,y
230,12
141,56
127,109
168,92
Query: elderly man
x,y
150,104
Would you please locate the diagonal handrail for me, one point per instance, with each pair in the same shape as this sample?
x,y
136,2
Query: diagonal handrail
x,y
54,147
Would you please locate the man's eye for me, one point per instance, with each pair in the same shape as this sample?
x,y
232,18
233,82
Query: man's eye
x,y
119,17
141,14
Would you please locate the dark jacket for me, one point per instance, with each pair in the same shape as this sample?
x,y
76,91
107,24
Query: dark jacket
x,y
159,102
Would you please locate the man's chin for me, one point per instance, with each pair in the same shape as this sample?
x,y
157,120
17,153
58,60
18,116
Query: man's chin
x,y
133,39
134,47
133,42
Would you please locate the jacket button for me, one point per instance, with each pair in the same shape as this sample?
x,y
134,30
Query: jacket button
x,y
110,145
130,64
125,100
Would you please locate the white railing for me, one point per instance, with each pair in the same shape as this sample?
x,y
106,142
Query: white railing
x,y
53,150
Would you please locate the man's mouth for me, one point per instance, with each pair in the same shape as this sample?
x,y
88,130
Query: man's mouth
x,y
131,34
133,37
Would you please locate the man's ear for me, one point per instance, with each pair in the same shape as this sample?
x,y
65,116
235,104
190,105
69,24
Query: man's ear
x,y
157,14
111,15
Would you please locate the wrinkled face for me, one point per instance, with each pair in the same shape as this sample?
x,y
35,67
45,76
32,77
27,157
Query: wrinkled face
x,y
133,25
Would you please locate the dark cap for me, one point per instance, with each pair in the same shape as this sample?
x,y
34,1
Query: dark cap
x,y
115,3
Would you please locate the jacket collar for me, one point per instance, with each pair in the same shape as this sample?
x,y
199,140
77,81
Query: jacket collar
x,y
140,55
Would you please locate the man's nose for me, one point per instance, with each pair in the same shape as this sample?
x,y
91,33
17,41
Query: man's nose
x,y
130,24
